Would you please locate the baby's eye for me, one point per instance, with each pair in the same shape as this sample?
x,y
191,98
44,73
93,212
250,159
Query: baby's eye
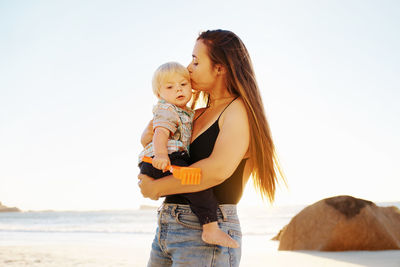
x,y
183,84
169,87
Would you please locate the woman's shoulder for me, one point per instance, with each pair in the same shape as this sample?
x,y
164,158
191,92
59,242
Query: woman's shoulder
x,y
235,112
236,108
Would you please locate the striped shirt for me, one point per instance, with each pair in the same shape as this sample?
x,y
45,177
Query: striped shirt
x,y
175,119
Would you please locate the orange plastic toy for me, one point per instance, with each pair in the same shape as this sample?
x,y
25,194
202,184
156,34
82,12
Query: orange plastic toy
x,y
187,175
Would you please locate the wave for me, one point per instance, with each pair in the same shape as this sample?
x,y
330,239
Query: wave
x,y
66,231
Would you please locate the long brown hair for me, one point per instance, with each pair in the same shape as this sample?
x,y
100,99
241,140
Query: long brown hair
x,y
226,48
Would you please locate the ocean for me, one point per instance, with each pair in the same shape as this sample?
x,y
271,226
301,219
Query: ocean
x,y
33,227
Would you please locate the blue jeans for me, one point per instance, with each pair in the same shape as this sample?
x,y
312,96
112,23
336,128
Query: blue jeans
x,y
178,239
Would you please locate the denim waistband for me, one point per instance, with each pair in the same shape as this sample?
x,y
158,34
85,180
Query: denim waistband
x,y
225,209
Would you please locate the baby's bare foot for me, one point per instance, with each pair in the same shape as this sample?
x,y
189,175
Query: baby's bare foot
x,y
213,235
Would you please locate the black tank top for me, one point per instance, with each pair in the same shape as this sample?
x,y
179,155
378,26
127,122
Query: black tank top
x,y
231,190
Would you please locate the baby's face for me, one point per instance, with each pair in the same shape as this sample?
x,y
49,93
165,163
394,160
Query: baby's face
x,y
176,89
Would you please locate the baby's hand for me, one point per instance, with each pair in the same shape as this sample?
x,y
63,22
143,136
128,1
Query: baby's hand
x,y
161,162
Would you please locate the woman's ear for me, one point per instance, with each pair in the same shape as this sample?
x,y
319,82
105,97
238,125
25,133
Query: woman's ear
x,y
219,69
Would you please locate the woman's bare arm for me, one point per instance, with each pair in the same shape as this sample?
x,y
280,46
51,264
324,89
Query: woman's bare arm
x,y
147,135
230,148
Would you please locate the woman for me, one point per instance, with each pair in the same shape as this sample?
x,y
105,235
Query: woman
x,y
222,74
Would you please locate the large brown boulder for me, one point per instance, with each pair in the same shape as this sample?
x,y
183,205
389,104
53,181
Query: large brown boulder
x,y
342,223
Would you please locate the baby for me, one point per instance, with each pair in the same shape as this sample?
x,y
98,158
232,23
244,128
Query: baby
x,y
172,126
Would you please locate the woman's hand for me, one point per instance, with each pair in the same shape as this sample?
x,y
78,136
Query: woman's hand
x,y
146,187
147,135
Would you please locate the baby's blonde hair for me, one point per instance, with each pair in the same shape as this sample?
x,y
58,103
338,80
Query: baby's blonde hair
x,y
166,69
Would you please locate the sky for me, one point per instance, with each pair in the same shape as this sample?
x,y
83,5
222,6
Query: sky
x,y
75,94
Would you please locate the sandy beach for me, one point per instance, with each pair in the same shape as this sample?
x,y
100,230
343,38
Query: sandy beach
x,y
257,251
123,238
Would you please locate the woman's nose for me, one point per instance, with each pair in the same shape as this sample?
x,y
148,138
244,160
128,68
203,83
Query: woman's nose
x,y
189,67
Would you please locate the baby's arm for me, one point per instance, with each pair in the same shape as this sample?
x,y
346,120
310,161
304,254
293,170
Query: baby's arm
x,y
160,142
